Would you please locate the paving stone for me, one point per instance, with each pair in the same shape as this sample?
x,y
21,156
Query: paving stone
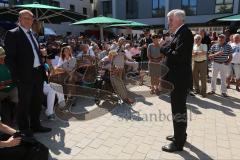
x,y
213,132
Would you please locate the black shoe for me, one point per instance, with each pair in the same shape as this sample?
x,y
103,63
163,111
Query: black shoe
x,y
51,117
196,91
224,95
191,94
171,148
170,138
237,88
211,93
41,129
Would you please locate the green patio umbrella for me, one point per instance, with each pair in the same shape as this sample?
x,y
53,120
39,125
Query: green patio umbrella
x,y
131,25
101,21
46,13
230,18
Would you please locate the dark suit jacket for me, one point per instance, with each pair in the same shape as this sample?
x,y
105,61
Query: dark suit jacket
x,y
19,55
179,58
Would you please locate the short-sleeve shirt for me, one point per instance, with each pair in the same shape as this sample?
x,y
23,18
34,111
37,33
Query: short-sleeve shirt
x,y
89,53
227,51
154,51
67,65
5,75
201,47
236,53
107,63
55,61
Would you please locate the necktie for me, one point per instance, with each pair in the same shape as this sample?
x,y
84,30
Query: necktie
x,y
34,42
35,45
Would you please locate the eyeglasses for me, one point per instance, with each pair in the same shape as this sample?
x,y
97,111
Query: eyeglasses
x,y
197,39
155,37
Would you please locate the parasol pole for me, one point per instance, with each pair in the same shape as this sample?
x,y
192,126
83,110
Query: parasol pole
x,y
101,33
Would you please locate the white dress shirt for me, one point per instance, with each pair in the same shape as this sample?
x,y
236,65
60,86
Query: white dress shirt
x,y
178,29
36,58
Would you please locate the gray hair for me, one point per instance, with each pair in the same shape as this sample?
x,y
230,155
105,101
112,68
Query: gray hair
x,y
178,13
236,35
25,11
127,45
197,36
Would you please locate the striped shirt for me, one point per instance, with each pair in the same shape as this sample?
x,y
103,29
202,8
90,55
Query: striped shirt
x,y
227,51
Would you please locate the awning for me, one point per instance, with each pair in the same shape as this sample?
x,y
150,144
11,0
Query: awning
x,y
233,18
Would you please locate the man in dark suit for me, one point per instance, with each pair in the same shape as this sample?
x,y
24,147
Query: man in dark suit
x,y
179,60
26,67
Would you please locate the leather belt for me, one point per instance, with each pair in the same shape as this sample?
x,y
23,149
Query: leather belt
x,y
200,61
219,62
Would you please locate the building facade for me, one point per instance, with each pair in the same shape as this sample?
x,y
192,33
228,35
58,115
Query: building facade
x,y
81,6
20,2
153,12
85,7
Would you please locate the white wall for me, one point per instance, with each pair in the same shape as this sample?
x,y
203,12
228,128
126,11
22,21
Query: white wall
x,y
65,27
189,19
79,4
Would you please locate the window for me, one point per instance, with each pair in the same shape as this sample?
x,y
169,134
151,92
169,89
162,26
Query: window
x,y
84,10
95,13
56,3
72,8
43,1
107,8
158,8
224,6
131,9
190,7
91,1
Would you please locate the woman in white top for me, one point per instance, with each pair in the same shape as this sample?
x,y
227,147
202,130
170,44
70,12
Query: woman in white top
x,y
68,63
66,60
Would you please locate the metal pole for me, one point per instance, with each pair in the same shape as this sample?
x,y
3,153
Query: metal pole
x,y
101,33
166,12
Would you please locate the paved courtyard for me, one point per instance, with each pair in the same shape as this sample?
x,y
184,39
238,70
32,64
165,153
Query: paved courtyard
x,y
139,132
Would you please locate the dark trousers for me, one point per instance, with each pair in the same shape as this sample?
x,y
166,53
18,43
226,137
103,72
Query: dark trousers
x,y
179,113
30,100
23,152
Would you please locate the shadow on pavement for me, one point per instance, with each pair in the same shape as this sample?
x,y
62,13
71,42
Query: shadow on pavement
x,y
208,105
125,112
55,139
193,103
200,154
